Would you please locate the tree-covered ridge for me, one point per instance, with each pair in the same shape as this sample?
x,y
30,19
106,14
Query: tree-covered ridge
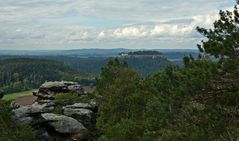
x,y
143,65
18,74
143,52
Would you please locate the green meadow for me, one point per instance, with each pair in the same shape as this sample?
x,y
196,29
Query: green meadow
x,y
14,96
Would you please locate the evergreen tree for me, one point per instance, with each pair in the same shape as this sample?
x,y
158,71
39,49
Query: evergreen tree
x,y
223,39
117,84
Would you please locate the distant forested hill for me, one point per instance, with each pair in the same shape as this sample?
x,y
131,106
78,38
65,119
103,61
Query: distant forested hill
x,y
143,65
146,65
17,74
143,52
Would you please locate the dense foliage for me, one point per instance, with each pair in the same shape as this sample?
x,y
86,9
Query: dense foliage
x,y
18,74
197,102
189,103
11,130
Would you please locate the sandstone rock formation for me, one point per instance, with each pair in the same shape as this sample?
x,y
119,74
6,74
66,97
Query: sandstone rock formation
x,y
63,124
49,90
72,124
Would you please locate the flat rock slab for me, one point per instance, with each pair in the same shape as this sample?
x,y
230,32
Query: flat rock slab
x,y
49,90
64,124
49,85
81,105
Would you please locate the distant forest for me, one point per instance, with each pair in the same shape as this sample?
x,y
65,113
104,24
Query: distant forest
x,y
18,74
145,66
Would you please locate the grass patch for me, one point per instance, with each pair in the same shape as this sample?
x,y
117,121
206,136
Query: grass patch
x,y
14,96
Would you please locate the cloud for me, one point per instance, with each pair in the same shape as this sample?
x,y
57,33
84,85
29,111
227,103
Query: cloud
x,y
77,36
166,29
171,30
101,35
25,24
130,32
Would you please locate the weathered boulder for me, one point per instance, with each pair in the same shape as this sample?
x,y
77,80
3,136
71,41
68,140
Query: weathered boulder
x,y
76,89
25,111
37,107
44,96
22,111
61,86
49,90
22,114
85,116
64,124
26,114
58,86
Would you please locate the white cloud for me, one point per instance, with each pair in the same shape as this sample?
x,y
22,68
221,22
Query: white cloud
x,y
130,32
101,35
172,30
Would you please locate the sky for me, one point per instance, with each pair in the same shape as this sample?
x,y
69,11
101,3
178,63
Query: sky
x,y
76,24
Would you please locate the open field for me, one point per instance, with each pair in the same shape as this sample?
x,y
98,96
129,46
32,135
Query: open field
x,y
26,97
14,96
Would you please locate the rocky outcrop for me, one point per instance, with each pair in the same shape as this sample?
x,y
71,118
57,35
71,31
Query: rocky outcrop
x,y
49,90
22,114
74,121
85,116
63,124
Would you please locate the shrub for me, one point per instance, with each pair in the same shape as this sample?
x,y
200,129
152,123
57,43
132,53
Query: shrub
x,y
74,97
11,130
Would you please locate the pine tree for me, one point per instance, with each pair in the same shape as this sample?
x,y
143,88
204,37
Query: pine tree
x,y
223,39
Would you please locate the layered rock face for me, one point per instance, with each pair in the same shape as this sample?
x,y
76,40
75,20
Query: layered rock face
x,y
49,90
73,124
